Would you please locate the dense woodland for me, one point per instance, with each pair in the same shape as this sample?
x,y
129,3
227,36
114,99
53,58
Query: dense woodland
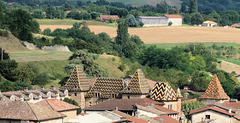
x,y
180,66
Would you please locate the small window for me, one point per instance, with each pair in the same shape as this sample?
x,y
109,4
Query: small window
x,y
75,94
128,97
113,96
170,107
96,95
207,116
90,103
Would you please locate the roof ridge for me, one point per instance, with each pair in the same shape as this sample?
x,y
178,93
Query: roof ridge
x,y
49,105
32,110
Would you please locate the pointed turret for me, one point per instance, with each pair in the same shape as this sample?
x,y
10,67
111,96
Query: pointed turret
x,y
163,92
215,90
138,84
77,81
179,95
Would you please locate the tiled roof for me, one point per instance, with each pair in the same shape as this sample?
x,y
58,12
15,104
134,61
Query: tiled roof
x,y
77,81
138,84
107,17
131,120
166,119
92,81
179,95
105,87
57,105
19,110
210,107
173,16
123,115
122,104
215,90
163,92
152,110
150,82
233,105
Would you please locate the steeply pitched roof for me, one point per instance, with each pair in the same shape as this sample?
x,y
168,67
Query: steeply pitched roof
x,y
21,110
163,92
77,81
57,105
173,16
106,87
122,104
179,95
138,84
215,90
166,119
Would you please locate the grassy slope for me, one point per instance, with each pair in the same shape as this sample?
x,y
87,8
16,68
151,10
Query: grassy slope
x,y
229,65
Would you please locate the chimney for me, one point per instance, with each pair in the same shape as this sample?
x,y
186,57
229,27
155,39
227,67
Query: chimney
x,y
53,87
26,89
116,108
137,114
230,110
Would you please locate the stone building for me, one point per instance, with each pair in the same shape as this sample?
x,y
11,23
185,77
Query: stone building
x,y
160,21
137,87
214,93
77,86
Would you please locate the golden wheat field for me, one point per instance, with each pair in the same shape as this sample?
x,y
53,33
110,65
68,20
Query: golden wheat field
x,y
170,34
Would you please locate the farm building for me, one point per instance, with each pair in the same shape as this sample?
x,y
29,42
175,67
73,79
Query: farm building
x,y
160,21
209,24
107,17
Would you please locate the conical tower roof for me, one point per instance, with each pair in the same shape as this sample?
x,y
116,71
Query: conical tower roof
x,y
179,95
138,84
77,81
215,90
163,92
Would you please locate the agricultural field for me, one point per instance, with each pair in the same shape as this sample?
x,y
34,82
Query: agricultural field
x,y
154,35
228,66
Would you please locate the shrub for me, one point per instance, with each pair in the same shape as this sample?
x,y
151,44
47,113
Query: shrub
x,y
141,24
170,23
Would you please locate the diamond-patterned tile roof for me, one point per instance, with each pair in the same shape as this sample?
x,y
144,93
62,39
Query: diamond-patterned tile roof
x,y
215,90
138,84
77,81
163,92
105,87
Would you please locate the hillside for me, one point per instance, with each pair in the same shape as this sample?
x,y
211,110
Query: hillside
x,y
229,67
11,43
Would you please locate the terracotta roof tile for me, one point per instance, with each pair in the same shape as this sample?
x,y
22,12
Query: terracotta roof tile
x,y
166,119
92,81
122,104
152,110
169,111
210,107
234,105
21,110
107,17
77,81
105,87
138,84
215,90
57,105
163,92
173,16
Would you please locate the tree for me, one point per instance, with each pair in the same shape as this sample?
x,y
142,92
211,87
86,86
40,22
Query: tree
x,y
51,12
24,73
170,23
41,79
187,106
22,24
193,6
200,80
71,101
6,68
196,18
47,31
38,14
131,21
110,20
86,60
215,16
122,32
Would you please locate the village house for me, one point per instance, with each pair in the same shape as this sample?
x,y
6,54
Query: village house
x,y
219,108
34,96
209,24
105,18
160,21
25,112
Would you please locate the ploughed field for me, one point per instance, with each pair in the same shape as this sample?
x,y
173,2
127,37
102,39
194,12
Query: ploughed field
x,y
154,35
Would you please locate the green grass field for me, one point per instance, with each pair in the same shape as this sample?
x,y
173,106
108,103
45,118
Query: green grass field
x,y
171,45
234,61
38,55
66,22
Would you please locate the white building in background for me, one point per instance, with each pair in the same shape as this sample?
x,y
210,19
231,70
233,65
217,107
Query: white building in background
x,y
161,21
209,24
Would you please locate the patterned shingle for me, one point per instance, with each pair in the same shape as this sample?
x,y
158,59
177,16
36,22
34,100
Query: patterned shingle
x,y
77,81
138,84
163,92
215,90
106,87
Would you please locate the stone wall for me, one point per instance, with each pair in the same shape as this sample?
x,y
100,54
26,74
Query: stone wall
x,y
30,46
